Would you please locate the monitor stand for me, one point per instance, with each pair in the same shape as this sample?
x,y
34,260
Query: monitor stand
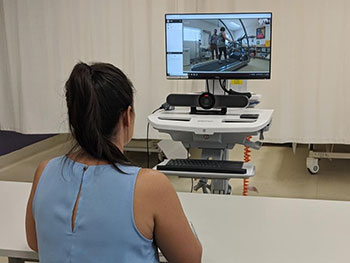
x,y
222,111
239,87
214,86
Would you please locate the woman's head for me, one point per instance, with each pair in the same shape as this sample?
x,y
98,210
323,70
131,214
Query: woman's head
x,y
100,110
222,29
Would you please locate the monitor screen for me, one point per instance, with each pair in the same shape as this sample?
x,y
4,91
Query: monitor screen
x,y
227,46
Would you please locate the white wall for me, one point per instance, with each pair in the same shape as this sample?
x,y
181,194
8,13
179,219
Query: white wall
x,y
262,42
251,26
203,26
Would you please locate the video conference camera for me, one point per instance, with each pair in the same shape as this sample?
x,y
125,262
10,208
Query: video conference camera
x,y
210,103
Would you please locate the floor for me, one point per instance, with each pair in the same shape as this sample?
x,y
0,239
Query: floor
x,y
279,172
256,64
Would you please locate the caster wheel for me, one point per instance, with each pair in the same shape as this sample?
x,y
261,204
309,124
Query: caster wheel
x,y
312,165
314,169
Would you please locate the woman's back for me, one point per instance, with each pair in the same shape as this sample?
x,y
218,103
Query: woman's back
x,y
104,228
84,211
221,40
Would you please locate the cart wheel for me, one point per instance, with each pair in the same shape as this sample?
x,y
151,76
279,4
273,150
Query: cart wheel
x,y
312,165
314,170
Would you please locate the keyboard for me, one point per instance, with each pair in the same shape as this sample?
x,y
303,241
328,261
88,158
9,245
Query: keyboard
x,y
209,166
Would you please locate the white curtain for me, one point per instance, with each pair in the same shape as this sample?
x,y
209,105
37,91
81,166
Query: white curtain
x,y
41,40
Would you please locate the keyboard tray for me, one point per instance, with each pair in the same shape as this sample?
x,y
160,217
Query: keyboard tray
x,y
209,171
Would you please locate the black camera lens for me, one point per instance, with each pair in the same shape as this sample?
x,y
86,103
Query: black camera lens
x,y
206,100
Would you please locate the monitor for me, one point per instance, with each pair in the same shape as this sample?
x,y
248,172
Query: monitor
x,y
218,46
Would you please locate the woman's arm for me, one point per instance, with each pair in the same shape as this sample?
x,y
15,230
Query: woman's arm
x,y
225,37
30,223
172,232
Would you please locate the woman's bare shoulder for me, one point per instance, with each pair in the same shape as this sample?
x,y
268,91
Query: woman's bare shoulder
x,y
153,181
152,176
40,169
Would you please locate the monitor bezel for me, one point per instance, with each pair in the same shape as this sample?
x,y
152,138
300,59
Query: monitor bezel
x,y
245,76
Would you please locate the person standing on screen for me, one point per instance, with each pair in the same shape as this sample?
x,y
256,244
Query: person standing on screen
x,y
92,204
222,44
213,41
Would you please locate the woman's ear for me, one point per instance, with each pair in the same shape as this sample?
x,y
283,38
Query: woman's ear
x,y
127,116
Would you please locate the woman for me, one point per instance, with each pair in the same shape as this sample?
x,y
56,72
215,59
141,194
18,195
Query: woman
x,y
222,44
92,205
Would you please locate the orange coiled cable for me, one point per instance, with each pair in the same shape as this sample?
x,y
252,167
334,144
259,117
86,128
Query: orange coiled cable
x,y
247,152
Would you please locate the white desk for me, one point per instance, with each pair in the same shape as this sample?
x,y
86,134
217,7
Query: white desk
x,y
269,230
231,228
13,202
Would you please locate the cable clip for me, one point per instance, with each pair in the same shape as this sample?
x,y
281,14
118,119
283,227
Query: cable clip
x,y
261,136
254,145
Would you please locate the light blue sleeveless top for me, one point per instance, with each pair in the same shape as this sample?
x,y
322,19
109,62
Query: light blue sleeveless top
x,y
105,229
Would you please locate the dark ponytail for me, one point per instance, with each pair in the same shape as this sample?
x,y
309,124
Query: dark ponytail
x,y
96,96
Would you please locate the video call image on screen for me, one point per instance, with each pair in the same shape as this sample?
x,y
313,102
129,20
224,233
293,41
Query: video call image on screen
x,y
218,44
